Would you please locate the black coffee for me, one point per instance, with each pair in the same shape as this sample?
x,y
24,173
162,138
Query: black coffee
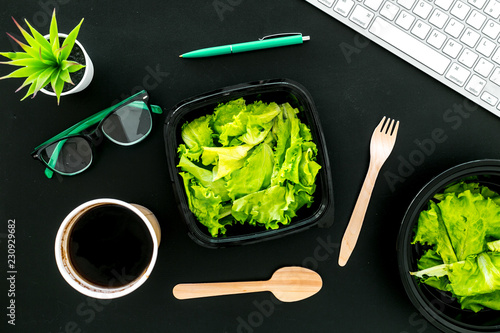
x,y
110,246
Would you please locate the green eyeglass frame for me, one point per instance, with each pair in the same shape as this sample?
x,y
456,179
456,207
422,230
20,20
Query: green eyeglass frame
x,y
79,129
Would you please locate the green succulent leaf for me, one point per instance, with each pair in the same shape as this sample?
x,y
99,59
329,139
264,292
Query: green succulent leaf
x,y
29,50
75,68
69,42
54,33
15,55
42,41
23,72
31,91
64,75
29,80
57,85
44,78
31,41
71,66
27,62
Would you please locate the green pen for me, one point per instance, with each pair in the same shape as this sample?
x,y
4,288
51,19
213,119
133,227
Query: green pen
x,y
263,43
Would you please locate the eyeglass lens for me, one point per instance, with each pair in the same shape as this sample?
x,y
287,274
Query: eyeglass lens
x,y
129,124
68,156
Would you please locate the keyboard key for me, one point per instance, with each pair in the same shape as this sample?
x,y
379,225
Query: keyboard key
x,y
452,48
475,85
496,56
493,9
361,16
454,28
445,4
343,7
470,37
422,9
495,77
489,98
406,3
389,10
457,74
373,4
477,3
484,67
468,58
436,39
405,20
421,29
476,19
438,18
460,10
485,47
327,3
491,29
410,46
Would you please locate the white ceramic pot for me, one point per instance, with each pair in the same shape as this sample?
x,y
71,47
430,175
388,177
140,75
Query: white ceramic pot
x,y
87,76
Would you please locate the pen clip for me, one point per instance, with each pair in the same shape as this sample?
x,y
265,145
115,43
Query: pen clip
x,y
280,35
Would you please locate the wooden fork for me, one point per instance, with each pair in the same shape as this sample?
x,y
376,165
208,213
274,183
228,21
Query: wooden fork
x,y
382,142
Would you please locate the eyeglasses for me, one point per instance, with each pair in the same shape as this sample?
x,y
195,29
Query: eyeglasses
x,y
71,152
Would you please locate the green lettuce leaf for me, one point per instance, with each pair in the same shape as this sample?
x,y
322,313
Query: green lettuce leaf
x,y
463,220
308,168
432,231
225,113
259,122
431,259
255,175
205,178
196,135
233,127
478,302
227,159
206,206
474,276
265,207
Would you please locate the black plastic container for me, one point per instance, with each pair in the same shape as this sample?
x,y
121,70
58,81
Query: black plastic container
x,y
436,306
275,90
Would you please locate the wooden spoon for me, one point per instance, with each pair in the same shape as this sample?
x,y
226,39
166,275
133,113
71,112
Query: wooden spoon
x,y
288,284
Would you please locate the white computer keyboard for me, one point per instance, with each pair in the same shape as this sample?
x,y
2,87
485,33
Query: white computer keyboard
x,y
454,41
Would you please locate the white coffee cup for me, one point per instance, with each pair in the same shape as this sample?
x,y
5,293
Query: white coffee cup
x,y
80,283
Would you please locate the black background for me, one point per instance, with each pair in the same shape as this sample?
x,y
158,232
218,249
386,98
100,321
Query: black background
x,y
354,84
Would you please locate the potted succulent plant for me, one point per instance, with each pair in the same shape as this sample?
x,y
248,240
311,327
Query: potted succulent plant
x,y
56,64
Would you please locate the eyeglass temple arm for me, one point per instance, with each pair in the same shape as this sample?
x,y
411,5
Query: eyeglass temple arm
x,y
53,158
156,109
